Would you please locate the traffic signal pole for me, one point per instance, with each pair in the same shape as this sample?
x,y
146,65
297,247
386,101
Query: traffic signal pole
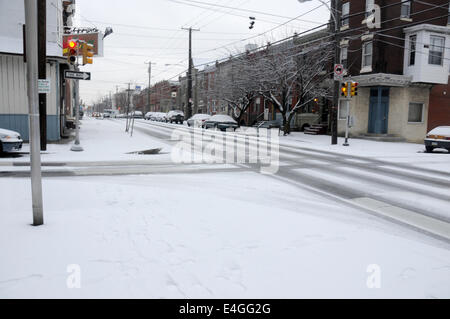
x,y
76,147
31,36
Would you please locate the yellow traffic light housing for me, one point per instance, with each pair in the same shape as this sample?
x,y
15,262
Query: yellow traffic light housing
x,y
73,52
354,89
344,89
88,53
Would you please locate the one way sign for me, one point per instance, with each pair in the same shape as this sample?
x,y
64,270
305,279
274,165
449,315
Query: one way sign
x,y
75,75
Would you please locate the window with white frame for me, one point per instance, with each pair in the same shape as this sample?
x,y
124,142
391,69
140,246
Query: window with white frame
x,y
370,6
415,113
405,11
367,54
412,49
345,14
436,50
344,55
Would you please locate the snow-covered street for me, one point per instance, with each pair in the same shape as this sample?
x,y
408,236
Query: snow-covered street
x,y
370,220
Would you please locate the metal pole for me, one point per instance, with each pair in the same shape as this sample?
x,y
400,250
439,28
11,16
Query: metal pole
x,y
347,127
31,36
149,81
189,76
76,147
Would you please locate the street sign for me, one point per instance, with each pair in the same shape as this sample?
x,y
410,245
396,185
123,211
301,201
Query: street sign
x,y
75,75
44,86
338,72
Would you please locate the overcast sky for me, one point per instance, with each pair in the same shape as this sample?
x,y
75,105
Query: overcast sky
x,y
147,30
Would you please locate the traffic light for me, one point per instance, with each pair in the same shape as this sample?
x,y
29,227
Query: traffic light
x,y
88,52
344,89
354,89
72,56
252,22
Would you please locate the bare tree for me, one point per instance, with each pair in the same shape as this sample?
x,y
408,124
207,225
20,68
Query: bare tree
x,y
235,83
291,76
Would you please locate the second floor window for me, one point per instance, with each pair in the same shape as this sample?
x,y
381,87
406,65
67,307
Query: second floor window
x,y
412,49
370,6
405,9
345,14
436,53
367,54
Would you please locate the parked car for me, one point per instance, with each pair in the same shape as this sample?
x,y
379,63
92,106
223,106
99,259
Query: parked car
x,y
221,122
198,120
268,124
148,115
137,115
10,141
438,137
106,115
175,116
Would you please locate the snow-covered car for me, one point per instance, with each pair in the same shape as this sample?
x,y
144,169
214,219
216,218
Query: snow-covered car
x,y
221,122
438,137
198,120
175,116
10,141
137,115
148,115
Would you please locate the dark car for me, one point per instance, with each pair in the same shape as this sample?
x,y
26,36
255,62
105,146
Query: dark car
x,y
10,141
221,122
438,137
175,117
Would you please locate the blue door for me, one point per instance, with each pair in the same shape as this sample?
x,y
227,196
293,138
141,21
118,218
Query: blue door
x,y
378,110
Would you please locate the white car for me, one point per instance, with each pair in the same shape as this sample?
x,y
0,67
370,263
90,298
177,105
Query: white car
x,y
198,120
438,137
10,141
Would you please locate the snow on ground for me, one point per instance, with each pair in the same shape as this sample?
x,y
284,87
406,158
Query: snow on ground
x,y
206,236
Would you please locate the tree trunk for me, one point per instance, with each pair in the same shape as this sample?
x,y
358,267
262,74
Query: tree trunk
x,y
286,125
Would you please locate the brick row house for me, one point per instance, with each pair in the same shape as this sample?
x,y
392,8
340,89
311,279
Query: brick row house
x,y
399,53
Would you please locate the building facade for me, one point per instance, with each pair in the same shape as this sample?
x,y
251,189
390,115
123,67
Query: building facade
x,y
399,53
13,93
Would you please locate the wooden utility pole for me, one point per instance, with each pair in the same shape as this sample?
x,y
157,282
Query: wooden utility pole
x,y
42,69
189,76
335,22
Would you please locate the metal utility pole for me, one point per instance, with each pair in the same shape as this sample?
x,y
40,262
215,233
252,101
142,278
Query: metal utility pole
x,y
189,76
335,21
76,147
42,69
149,83
128,108
31,36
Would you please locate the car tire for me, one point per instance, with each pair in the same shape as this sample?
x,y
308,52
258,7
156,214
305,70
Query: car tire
x,y
429,149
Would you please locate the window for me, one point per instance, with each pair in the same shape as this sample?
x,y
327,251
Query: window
x,y
344,54
448,21
415,113
405,10
367,54
370,6
412,49
345,14
436,53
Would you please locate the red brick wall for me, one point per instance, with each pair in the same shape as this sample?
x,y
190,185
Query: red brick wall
x,y
439,112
